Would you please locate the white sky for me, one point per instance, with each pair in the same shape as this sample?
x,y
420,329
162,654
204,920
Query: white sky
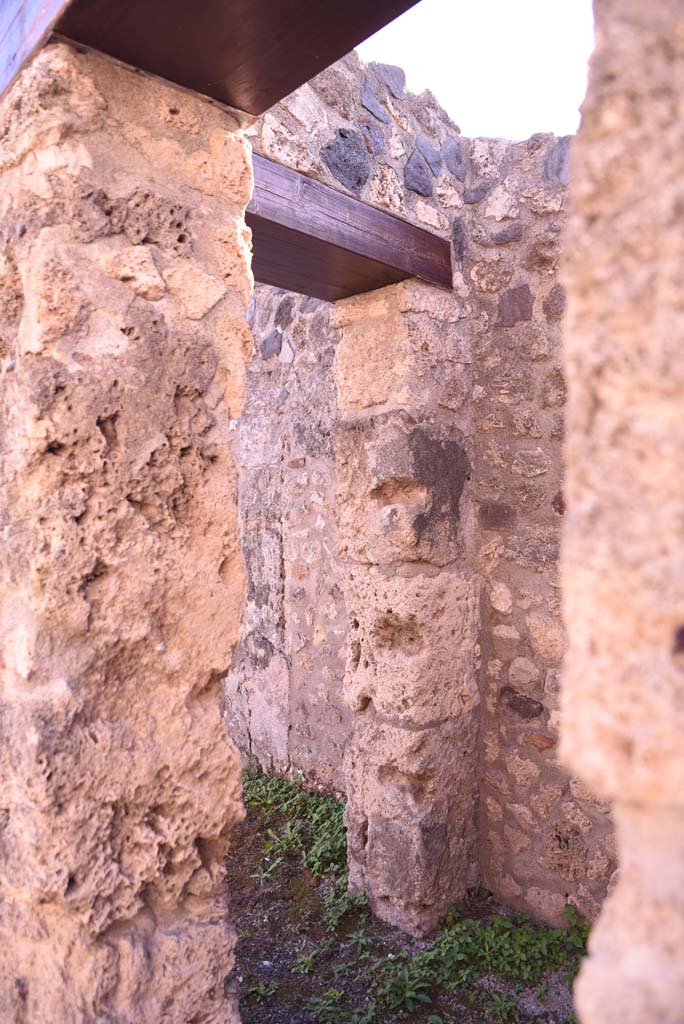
x,y
505,68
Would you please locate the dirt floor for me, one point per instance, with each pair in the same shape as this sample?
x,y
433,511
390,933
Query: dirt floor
x,y
309,953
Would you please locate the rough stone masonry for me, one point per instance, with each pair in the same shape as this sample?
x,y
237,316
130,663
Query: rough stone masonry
x,y
401,501
124,281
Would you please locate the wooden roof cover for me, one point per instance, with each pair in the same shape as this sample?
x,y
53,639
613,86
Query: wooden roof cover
x,y
247,54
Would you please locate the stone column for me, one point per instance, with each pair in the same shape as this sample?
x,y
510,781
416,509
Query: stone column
x,y
124,272
405,534
623,563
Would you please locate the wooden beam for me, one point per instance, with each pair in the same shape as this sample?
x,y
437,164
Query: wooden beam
x,y
310,238
24,27
247,54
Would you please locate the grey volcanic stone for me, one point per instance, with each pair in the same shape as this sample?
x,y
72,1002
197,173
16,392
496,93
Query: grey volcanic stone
x,y
512,232
347,158
393,77
271,345
371,102
372,133
476,194
434,160
557,162
458,240
452,151
417,174
515,305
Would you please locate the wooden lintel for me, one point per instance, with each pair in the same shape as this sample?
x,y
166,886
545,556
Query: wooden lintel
x,y
248,54
24,27
310,238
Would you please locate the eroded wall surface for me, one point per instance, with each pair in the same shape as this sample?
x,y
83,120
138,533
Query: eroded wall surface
x,y
284,703
542,837
125,280
623,565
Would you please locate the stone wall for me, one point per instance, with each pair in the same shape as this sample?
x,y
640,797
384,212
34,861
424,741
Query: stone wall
x,y
124,274
543,839
623,714
284,702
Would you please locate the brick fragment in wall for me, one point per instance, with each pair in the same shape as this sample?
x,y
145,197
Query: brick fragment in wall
x,y
512,232
515,305
523,706
372,133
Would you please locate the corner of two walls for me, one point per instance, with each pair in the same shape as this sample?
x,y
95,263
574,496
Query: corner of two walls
x,y
311,516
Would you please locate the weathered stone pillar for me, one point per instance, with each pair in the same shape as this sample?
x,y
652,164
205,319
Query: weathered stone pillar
x,y
405,534
124,280
623,728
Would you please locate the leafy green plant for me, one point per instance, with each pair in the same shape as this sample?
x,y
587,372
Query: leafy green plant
x,y
327,1009
261,991
502,1008
404,989
303,964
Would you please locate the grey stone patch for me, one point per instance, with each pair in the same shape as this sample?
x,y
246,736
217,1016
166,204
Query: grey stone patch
x,y
372,133
557,162
554,303
271,345
347,157
434,160
452,152
508,233
476,194
285,312
458,241
371,102
393,77
417,174
515,305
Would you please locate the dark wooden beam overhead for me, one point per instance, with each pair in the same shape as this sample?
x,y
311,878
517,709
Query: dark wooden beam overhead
x,y
24,27
310,238
246,53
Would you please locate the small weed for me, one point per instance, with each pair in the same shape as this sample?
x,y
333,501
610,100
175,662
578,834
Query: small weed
x,y
502,1008
365,1014
327,1008
404,989
303,964
338,902
261,991
361,943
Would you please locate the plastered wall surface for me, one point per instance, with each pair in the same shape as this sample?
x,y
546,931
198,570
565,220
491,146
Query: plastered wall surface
x,y
487,356
124,273
622,545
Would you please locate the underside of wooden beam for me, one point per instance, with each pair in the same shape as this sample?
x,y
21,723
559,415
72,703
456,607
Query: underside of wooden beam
x,y
24,27
309,238
248,54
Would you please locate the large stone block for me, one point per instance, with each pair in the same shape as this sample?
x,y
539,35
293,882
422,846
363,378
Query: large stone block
x,y
400,490
411,816
411,645
122,580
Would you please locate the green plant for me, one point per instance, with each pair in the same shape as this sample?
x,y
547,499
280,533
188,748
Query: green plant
x,y
364,1015
327,1008
338,902
502,1008
404,989
361,943
303,964
261,991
